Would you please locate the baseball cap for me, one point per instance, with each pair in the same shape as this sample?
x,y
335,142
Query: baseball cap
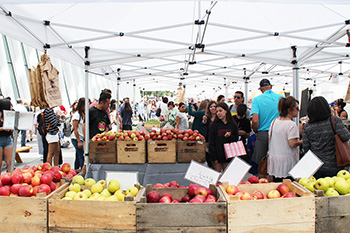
x,y
264,82
332,103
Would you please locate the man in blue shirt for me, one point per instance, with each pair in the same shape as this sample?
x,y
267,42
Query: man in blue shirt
x,y
264,111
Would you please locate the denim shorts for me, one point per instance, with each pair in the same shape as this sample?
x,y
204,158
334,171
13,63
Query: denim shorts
x,y
5,142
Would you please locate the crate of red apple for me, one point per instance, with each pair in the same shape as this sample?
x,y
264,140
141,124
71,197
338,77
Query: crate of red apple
x,y
39,183
271,207
176,209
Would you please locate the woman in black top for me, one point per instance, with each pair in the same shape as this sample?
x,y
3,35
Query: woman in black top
x,y
208,118
52,121
5,136
339,109
222,130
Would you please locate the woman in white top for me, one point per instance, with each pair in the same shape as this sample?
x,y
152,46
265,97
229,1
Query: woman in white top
x,y
181,118
77,136
284,140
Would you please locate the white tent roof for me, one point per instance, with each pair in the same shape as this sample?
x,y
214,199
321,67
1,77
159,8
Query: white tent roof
x,y
159,44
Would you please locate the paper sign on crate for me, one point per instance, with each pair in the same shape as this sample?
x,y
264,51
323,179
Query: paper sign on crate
x,y
167,126
201,175
126,179
25,120
307,166
235,171
140,128
234,149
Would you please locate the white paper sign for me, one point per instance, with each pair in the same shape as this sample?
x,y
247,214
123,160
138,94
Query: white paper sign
x,y
201,175
25,120
167,126
235,171
307,166
126,179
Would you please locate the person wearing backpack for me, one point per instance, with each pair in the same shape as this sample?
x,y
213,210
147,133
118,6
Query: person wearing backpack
x,y
77,136
52,121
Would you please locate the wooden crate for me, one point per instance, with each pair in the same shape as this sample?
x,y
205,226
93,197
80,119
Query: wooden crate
x,y
150,126
92,215
161,151
332,213
131,151
25,214
190,150
102,152
271,215
181,217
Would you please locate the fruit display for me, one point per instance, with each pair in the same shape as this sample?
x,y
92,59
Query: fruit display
x,y
172,184
89,189
168,134
255,180
331,186
30,181
132,135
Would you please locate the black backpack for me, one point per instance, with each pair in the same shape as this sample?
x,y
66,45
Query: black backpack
x,y
158,112
41,124
67,127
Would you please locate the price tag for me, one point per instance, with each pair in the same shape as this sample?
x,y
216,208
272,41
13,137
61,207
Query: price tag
x,y
126,179
167,126
141,129
235,171
201,175
156,129
307,166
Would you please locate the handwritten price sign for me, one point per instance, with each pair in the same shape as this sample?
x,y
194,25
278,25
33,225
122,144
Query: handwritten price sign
x,y
201,175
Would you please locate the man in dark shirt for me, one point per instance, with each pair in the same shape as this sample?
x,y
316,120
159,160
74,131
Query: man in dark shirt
x,y
98,118
243,125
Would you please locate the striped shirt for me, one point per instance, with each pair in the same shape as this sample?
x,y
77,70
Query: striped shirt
x,y
51,121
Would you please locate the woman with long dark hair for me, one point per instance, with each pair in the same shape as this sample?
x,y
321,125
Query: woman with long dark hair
x,y
222,130
198,115
5,136
208,118
77,136
339,109
318,135
126,115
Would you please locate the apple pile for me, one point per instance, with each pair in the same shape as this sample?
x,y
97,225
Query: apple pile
x,y
29,181
196,194
332,186
133,135
168,134
281,191
97,190
172,184
255,180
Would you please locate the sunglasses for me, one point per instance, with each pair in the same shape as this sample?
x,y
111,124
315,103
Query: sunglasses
x,y
236,97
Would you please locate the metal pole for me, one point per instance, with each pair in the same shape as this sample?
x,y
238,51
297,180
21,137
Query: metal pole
x,y
87,118
295,78
246,81
133,92
226,90
14,142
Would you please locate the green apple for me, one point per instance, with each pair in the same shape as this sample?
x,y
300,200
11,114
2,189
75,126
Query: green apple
x,y
70,194
111,198
132,191
120,195
312,178
331,192
89,181
337,178
113,186
330,181
344,173
310,186
96,188
102,182
87,192
105,193
94,196
342,187
100,198
67,198
80,196
304,181
78,179
74,187
322,184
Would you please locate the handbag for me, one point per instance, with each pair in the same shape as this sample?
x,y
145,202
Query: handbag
x,y
342,149
262,167
158,112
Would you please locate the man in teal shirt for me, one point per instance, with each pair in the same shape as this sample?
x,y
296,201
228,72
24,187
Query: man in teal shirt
x,y
264,111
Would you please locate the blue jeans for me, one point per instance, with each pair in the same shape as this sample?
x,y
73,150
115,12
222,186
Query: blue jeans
x,y
23,137
79,155
5,141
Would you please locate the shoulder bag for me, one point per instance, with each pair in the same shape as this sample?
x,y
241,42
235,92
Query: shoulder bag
x,y
342,149
262,167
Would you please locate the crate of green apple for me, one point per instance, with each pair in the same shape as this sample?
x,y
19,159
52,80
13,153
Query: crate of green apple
x,y
91,202
332,201
270,207
18,211
176,209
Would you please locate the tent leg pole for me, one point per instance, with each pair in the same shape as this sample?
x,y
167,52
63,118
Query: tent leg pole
x,y
87,126
246,92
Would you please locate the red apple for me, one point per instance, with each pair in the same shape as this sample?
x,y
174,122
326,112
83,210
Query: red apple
x,y
27,178
53,186
180,136
182,187
273,194
211,197
111,138
35,190
17,179
289,195
247,196
65,167
167,195
166,185
158,185
50,173
57,176
245,182
46,179
175,183
263,180
239,194
192,189
44,188
4,191
232,189
26,191
195,200
283,189
201,191
165,199
153,197
175,201
210,200
185,138
200,197
147,137
186,198
6,178
15,188
46,166
35,181
69,176
258,195
17,171
253,179
40,166
55,168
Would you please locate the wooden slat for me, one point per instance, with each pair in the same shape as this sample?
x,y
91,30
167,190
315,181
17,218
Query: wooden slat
x,y
161,151
190,150
131,152
84,230
218,229
285,228
102,152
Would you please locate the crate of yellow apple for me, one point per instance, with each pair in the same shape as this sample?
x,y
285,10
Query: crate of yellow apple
x,y
90,201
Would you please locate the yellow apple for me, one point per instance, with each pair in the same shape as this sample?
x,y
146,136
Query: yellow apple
x,y
79,179
70,194
120,195
89,181
74,187
132,191
96,188
105,193
100,198
94,196
67,198
87,192
80,196
113,186
102,182
111,198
